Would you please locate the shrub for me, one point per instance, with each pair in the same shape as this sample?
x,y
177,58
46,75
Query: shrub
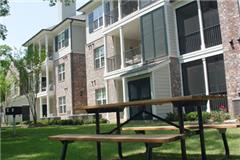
x,y
172,116
193,116
219,116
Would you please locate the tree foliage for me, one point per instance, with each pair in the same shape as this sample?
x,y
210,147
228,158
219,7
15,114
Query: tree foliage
x,y
4,11
29,67
66,2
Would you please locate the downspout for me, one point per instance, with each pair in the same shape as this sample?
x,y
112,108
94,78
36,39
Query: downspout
x,y
71,39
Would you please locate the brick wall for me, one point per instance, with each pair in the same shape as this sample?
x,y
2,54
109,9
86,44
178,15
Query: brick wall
x,y
79,91
64,88
175,76
229,15
95,79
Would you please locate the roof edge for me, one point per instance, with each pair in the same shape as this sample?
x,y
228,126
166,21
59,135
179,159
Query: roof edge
x,y
49,30
84,5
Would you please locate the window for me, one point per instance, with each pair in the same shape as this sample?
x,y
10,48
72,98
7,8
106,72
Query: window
x,y
100,96
188,28
216,74
99,57
189,36
211,24
95,19
62,104
154,36
62,40
61,72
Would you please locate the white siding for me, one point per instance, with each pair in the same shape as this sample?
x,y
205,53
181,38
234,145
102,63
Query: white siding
x,y
78,39
171,30
162,89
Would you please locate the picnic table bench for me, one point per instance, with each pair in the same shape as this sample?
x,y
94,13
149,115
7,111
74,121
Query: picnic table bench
x,y
222,128
149,140
178,102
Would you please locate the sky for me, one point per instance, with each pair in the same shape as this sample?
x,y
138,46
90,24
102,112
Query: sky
x,y
26,18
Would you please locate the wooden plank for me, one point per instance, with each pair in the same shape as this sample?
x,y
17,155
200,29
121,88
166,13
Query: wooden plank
x,y
140,103
118,138
206,126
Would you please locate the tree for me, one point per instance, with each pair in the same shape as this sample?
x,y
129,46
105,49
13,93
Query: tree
x,y
29,67
4,11
53,2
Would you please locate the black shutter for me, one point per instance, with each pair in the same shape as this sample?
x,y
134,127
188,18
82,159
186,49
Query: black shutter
x,y
56,43
66,37
90,22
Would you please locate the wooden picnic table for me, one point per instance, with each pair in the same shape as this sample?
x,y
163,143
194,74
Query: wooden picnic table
x,y
178,102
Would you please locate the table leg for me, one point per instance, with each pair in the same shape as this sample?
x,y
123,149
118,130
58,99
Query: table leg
x,y
181,129
64,150
98,132
119,132
225,142
201,132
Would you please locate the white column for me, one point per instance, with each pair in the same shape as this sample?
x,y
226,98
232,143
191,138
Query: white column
x,y
138,4
40,75
103,8
107,97
206,82
201,25
122,47
47,75
40,109
105,53
119,10
125,98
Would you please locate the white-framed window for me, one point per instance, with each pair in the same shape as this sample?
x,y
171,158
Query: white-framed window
x,y
95,19
62,39
99,57
100,96
61,72
62,104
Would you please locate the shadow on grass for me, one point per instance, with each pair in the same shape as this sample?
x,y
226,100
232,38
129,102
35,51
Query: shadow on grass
x,y
170,156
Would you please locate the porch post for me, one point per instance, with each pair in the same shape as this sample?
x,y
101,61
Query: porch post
x,y
125,94
206,82
105,54
122,47
201,25
47,75
119,10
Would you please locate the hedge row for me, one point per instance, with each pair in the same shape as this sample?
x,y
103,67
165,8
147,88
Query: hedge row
x,y
214,116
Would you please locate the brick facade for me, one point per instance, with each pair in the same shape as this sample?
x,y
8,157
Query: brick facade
x,y
79,90
175,74
74,85
95,77
229,15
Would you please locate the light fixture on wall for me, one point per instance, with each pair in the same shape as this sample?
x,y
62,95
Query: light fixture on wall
x,y
232,44
238,40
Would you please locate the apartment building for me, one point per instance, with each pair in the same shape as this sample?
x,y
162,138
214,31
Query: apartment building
x,y
148,49
63,76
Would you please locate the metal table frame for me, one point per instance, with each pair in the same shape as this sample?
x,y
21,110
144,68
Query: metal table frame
x,y
179,105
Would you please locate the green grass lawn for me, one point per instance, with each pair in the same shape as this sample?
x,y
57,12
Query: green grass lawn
x,y
33,144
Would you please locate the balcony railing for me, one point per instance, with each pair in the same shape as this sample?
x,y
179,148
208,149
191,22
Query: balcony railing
x,y
212,35
111,17
114,63
219,104
144,3
133,56
128,6
44,86
190,42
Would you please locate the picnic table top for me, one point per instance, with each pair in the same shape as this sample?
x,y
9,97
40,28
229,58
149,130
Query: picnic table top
x,y
208,126
118,138
139,103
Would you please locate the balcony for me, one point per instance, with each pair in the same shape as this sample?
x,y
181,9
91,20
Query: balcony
x,y
111,16
133,56
128,7
113,63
